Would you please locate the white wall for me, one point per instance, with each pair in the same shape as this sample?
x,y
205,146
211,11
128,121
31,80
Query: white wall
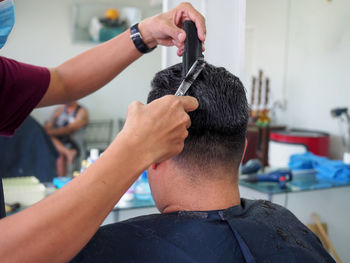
x,y
225,33
266,36
319,59
304,47
43,36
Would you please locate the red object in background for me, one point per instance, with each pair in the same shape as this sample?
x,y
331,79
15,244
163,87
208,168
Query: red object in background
x,y
316,142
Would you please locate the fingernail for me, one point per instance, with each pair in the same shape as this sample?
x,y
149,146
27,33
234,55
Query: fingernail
x,y
180,36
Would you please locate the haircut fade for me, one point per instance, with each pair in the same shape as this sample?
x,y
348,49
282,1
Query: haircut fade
x,y
218,130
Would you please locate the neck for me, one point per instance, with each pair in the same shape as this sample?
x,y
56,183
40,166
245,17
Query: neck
x,y
202,195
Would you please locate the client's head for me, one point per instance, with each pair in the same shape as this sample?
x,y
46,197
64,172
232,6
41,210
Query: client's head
x,y
216,140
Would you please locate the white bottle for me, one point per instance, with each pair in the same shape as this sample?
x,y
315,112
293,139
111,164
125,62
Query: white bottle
x,y
93,156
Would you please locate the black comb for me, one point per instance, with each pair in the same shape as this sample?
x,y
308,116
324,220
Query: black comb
x,y
193,47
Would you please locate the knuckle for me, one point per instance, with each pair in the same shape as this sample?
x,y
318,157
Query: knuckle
x,y
175,103
189,123
185,134
168,98
186,119
186,4
181,147
134,105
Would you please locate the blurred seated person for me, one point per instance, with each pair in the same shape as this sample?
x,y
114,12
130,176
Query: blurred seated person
x,y
64,128
203,218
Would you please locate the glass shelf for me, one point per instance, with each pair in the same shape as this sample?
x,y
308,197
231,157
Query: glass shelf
x,y
134,203
296,185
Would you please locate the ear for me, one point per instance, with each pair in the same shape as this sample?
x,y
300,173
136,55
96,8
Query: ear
x,y
156,167
245,148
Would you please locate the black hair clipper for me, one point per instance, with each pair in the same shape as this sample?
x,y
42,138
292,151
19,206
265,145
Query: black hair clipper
x,y
192,59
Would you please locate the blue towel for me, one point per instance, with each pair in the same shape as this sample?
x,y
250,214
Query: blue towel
x,y
326,169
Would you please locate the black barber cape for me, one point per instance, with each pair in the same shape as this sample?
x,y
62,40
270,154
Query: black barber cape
x,y
255,231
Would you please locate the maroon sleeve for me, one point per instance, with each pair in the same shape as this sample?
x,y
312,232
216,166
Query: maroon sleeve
x,y
21,88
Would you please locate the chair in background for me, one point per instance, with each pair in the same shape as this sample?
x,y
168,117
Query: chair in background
x,y
98,135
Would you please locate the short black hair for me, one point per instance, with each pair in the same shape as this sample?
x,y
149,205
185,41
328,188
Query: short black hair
x,y
218,130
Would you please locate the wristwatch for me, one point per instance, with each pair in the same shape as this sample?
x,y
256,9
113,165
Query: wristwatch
x,y
138,41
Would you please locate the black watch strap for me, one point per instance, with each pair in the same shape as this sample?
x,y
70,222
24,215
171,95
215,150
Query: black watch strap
x,y
138,41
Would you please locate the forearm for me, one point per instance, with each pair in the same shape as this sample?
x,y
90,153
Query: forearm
x,y
48,125
55,229
60,131
90,70
80,122
96,67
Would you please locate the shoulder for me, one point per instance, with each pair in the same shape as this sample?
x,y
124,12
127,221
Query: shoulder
x,y
172,237
7,66
12,69
281,234
21,88
82,111
123,241
255,207
133,230
269,215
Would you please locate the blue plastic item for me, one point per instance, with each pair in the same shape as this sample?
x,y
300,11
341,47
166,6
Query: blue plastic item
x,y
281,176
252,166
61,181
142,189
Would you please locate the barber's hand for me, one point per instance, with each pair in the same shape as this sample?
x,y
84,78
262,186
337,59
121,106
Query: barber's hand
x,y
167,29
159,128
